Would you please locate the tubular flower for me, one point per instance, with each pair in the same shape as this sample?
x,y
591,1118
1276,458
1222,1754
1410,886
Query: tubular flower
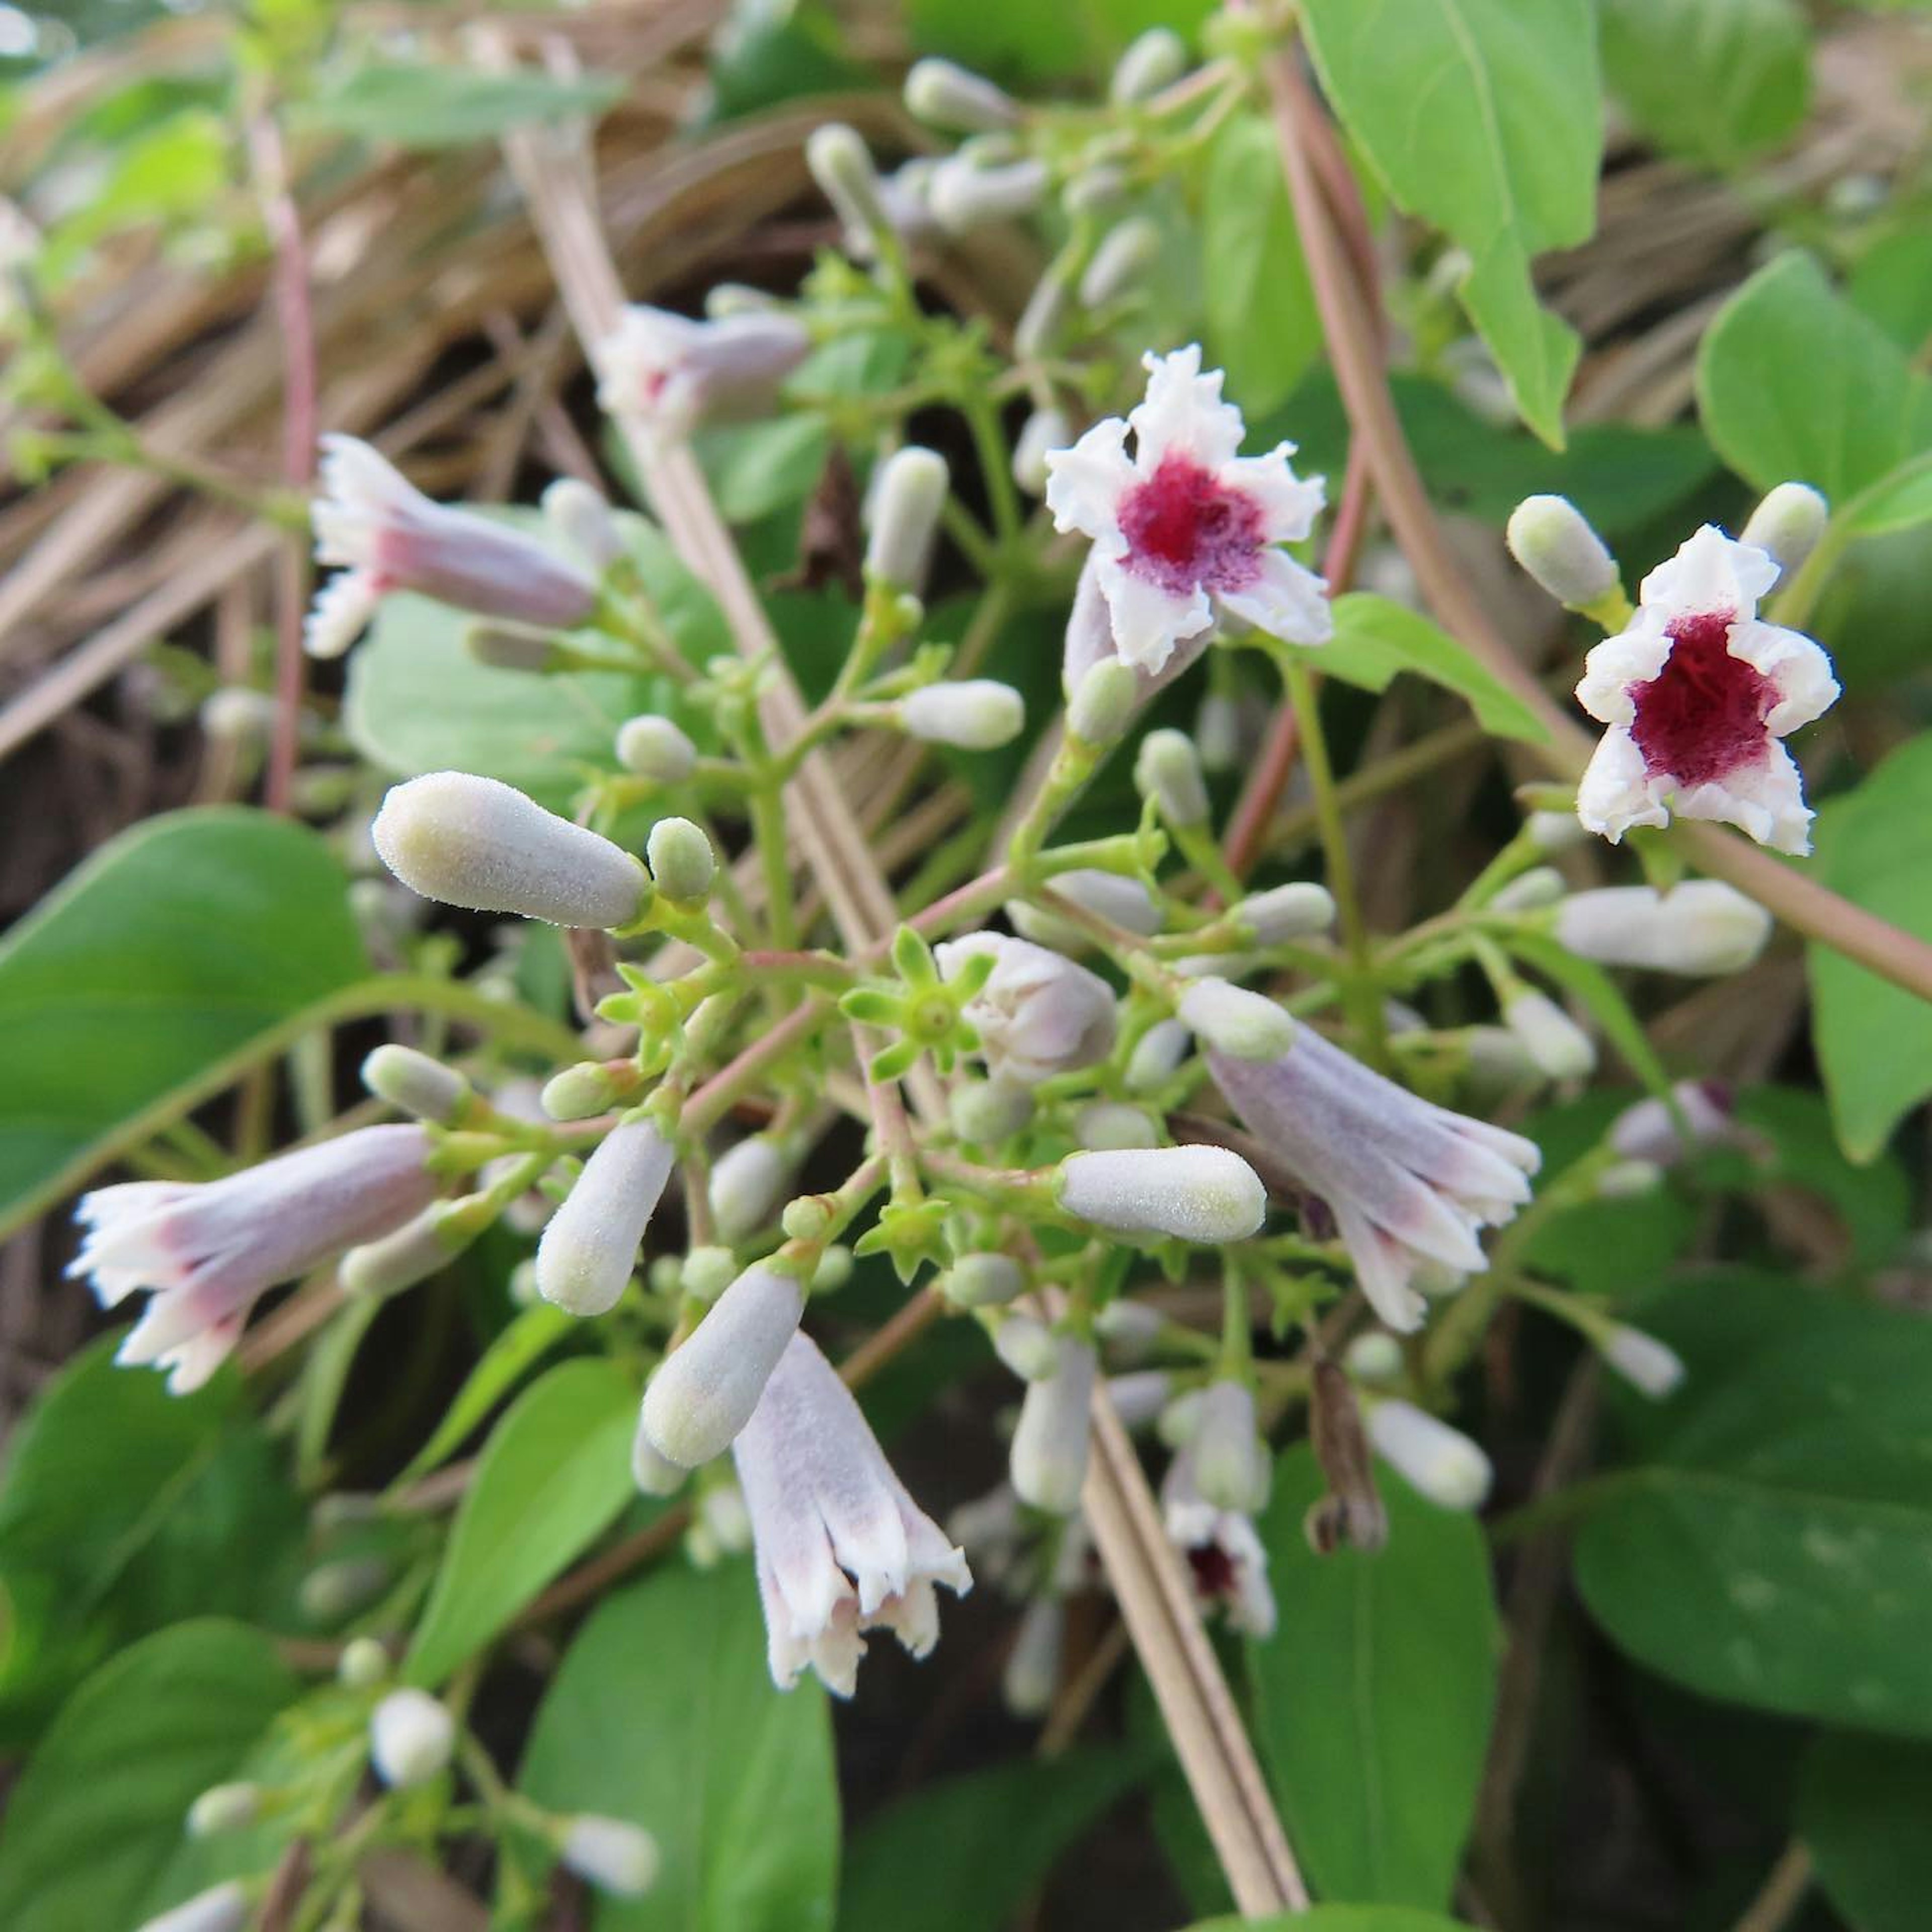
x,y
388,536
1701,927
206,1251
1186,523
1038,1014
1409,1183
1225,1560
674,371
841,1546
1698,693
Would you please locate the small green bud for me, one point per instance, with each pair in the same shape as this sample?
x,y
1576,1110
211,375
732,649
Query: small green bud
x,y
223,1807
985,1112
655,748
907,496
1104,703
579,1092
681,860
1157,59
1553,541
944,94
1121,261
806,1218
1787,525
363,1663
708,1273
982,1281
416,1084
834,1270
505,647
1167,770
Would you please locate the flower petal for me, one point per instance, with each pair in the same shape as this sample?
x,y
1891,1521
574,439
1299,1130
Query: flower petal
x,y
1285,601
1183,414
1085,485
1149,622
1616,790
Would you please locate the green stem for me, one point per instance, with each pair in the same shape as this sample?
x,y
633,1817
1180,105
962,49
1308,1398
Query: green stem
x,y
768,830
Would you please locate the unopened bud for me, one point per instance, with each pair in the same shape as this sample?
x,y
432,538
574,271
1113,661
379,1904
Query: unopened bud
x,y
400,1259
579,1092
1094,190
524,1292
1374,1356
842,164
1787,525
416,1084
501,647
1180,1421
363,1664
907,496
1629,1180
1155,59
238,715
1560,1049
411,1737
1157,1056
1647,1364
1045,430
590,1246
1285,914
808,1217
1027,1346
1649,1132
1121,901
1246,1025
1139,1398
725,299
1553,541
1130,1329
982,1281
1231,1466
707,1273
747,1182
581,516
655,748
655,1474
1121,260
1048,1460
1101,1126
1167,768
985,1112
223,1807
965,195
1043,321
704,1394
944,94
977,714
834,1270
223,1908
1032,1673
332,1591
682,863
1701,927
1205,1194
613,1854
479,843
1531,891
1435,1461
1104,703
1555,831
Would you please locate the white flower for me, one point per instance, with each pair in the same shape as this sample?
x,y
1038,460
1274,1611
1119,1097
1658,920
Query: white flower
x,y
1435,1461
1038,1014
1701,926
1186,523
1653,1367
1407,1182
614,1855
841,1546
1204,1194
672,371
1698,692
371,520
1048,1462
589,1248
708,1390
208,1250
411,1738
1225,1561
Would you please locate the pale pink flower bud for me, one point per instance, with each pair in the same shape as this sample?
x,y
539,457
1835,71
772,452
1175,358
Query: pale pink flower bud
x,y
1123,901
613,1854
1204,1194
1787,524
1157,1056
1701,927
1436,1461
965,194
1374,1356
1560,1049
582,518
1167,768
656,749
370,519
1555,831
1129,1328
842,164
1038,1014
1231,1019
412,1737
1121,261
1553,541
1044,430
977,714
1155,59
841,1546
907,496
477,842
748,1185
416,1083
1653,1367
1048,1462
1647,1132
1285,914
705,1392
1031,1674
673,372
223,1908
1231,1467
589,1248
1044,320
944,94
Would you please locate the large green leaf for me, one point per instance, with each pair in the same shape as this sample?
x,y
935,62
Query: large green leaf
x,y
96,1819
1862,1805
555,1473
1892,283
423,105
1482,117
1374,1697
1873,1040
1340,1919
1376,637
1715,82
1770,1545
664,1712
177,944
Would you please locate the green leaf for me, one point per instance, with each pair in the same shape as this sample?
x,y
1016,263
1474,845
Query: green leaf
x,y
756,468
1374,1697
664,1712
174,946
1376,637
1794,383
1873,1040
1770,1547
1339,1919
554,1475
1862,1804
1898,501
96,1819
1483,118
1892,282
932,1846
1261,323
763,54
421,105
1714,82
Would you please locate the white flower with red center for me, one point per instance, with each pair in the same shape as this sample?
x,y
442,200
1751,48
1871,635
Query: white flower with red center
x,y
1185,525
1225,1561
1698,691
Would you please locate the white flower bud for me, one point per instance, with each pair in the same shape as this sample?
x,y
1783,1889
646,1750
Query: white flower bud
x,y
1498,1062
747,1182
477,842
613,1854
964,194
581,516
723,300
1049,1451
1094,190
416,1250
416,1084
411,1738
1157,1056
363,1664
982,1281
985,1112
1556,831
1028,1347
1531,891
1629,1180
1122,259
1032,1673
1103,703
1374,1356
907,498
1553,541
1156,59
1647,1364
585,1258
707,1273
1179,1422
1043,320
1701,927
332,1591
1286,913
654,1475
223,1807
1205,1194
1130,1329
1560,1047
577,1092
1139,1398
1043,430
705,1392
944,94
503,648
223,1908
1230,1018
842,164
1787,524
1647,1131
682,864
1105,1126
1167,770
655,748
238,715
977,714
834,1270
1231,1468
1435,1461
1126,902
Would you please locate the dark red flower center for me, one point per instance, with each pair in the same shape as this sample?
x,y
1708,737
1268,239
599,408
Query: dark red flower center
x,y
1702,717
1213,1571
1186,530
